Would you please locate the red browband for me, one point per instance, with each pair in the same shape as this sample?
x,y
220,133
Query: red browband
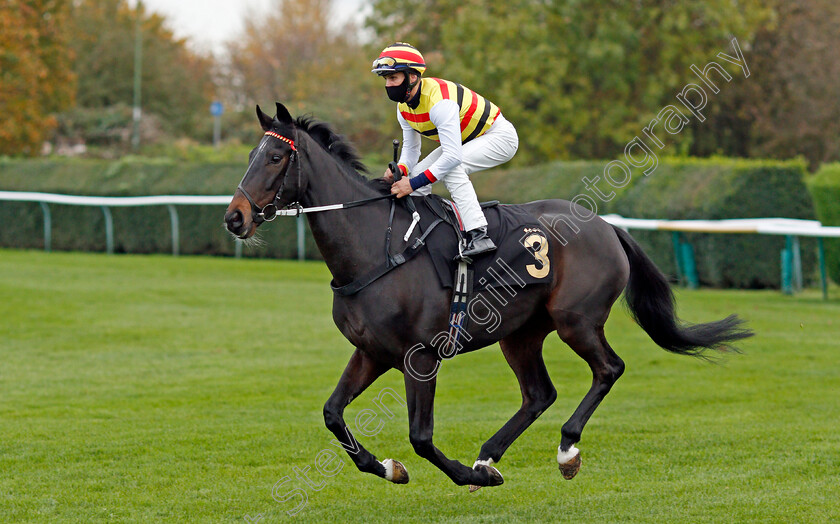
x,y
283,138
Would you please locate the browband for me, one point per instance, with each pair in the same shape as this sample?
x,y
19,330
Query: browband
x,y
282,138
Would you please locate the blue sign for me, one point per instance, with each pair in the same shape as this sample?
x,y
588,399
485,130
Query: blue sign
x,y
216,109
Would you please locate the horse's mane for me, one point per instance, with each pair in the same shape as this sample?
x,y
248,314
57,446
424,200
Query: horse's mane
x,y
336,145
341,149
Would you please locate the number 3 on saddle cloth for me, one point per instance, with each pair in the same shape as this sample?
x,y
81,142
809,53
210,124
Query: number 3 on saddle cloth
x,y
521,259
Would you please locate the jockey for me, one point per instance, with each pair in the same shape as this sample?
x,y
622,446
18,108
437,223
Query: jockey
x,y
472,132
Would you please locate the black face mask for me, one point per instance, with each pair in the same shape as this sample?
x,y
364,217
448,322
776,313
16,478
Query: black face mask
x,y
399,93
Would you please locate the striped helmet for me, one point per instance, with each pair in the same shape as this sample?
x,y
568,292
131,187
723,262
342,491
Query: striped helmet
x,y
399,56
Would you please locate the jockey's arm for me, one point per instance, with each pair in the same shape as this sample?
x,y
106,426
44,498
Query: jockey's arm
x,y
445,116
410,147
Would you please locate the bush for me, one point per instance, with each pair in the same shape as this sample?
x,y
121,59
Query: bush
x,y
136,229
678,189
825,190
684,189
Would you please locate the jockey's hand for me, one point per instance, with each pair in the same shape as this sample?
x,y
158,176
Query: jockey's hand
x,y
401,188
388,176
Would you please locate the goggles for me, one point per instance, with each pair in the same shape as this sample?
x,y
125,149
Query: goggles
x,y
387,64
384,62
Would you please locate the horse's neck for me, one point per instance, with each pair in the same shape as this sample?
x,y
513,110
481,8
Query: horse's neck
x,y
350,240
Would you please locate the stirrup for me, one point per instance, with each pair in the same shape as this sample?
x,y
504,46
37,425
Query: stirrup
x,y
462,246
478,247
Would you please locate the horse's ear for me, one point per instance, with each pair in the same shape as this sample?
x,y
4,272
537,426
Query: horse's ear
x,y
265,120
283,114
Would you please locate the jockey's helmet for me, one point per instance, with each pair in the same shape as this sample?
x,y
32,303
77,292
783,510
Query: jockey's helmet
x,y
399,56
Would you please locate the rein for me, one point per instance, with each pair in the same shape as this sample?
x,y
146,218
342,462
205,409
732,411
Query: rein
x,y
294,209
270,211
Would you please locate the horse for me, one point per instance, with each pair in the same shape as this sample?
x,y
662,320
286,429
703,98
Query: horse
x,y
305,164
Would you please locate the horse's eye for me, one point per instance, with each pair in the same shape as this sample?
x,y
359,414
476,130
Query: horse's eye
x,y
276,159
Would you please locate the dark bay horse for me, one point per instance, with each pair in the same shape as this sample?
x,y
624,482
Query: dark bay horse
x,y
393,321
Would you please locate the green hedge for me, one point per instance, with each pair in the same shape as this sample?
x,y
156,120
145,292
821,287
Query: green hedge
x,y
677,189
825,190
684,189
136,229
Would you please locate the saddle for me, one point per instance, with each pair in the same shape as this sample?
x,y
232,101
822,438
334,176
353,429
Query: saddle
x,y
521,257
509,226
448,212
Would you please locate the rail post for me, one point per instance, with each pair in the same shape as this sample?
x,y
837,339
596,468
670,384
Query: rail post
x,y
686,267
787,267
173,221
690,268
823,276
796,253
109,230
301,244
47,226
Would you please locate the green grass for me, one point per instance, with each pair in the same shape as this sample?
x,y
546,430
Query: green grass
x,y
159,389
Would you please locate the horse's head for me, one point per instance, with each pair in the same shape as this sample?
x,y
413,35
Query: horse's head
x,y
269,182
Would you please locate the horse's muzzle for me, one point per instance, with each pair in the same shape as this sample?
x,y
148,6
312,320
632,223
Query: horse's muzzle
x,y
235,223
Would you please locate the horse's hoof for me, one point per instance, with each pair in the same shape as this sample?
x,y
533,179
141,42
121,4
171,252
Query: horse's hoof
x,y
395,471
488,462
495,479
569,462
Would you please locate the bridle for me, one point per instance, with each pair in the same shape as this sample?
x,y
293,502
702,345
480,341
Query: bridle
x,y
270,211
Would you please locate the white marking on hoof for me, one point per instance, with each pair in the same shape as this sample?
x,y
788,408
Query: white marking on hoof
x,y
488,462
566,456
389,469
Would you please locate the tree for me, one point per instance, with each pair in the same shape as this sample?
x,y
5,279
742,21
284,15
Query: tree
x,y
177,83
35,77
296,55
578,78
793,104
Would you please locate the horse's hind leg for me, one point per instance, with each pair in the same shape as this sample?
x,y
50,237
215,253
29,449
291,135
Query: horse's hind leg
x,y
360,373
588,341
523,351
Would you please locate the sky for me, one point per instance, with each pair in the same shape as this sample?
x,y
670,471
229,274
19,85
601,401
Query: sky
x,y
207,24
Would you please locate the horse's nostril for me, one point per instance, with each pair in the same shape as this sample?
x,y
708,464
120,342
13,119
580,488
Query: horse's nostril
x,y
234,220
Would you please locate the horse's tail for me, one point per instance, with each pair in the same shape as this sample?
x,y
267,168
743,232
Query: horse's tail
x,y
651,303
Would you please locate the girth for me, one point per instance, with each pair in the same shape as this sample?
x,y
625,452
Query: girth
x,y
391,261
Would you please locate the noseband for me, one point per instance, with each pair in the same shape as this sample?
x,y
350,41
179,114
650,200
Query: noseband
x,y
269,212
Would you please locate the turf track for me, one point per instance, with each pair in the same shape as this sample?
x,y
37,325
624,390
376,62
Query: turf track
x,y
159,389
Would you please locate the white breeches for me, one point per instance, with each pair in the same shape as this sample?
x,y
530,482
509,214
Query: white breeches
x,y
495,147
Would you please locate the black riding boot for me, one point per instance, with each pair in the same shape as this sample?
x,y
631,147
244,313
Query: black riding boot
x,y
479,243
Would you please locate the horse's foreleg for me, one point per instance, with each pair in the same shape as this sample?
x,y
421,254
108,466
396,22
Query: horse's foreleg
x,y
589,343
523,351
360,373
420,395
